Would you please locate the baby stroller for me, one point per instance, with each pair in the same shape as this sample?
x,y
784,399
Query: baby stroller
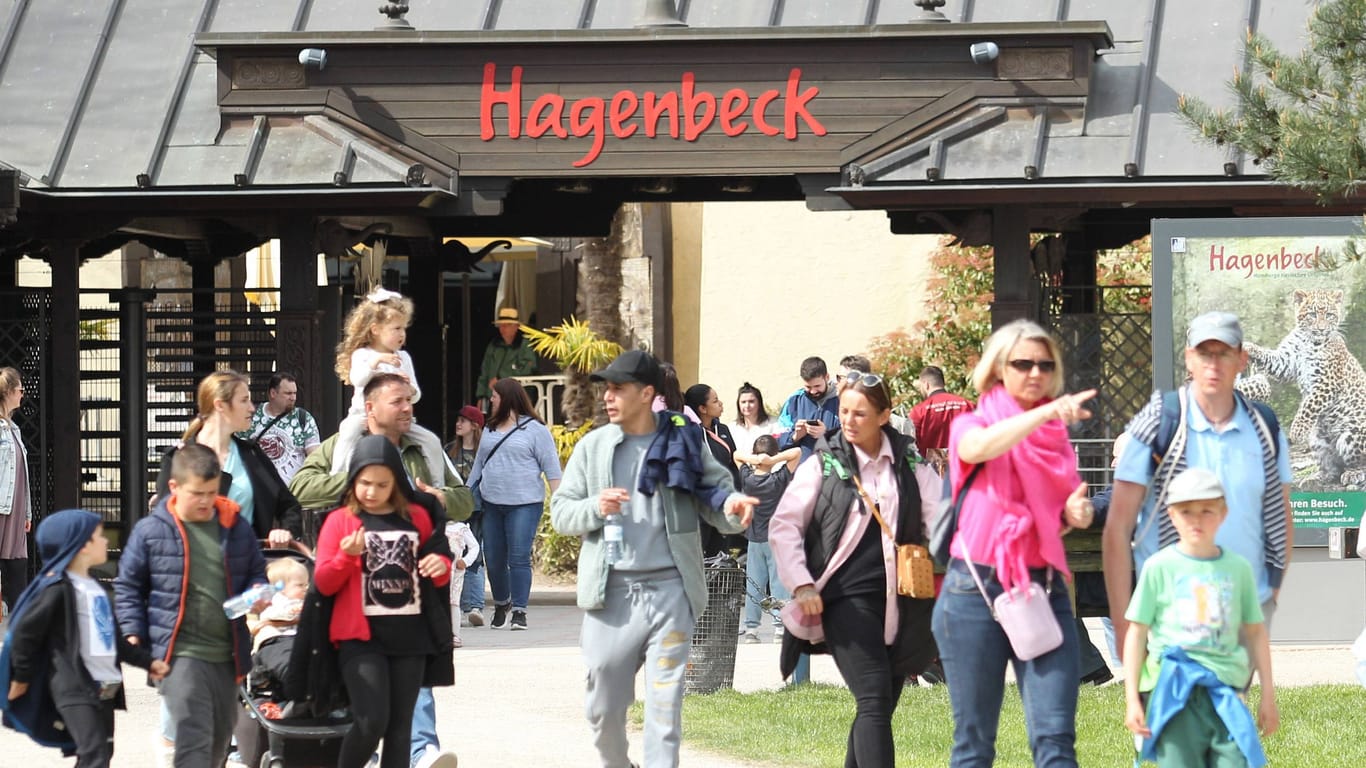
x,y
267,733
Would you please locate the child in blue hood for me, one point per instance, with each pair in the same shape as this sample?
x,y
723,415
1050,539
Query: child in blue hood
x,y
60,663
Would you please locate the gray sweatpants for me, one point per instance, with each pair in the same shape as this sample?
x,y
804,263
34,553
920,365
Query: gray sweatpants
x,y
201,698
646,620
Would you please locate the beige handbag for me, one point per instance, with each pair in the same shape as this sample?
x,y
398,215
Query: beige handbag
x,y
914,569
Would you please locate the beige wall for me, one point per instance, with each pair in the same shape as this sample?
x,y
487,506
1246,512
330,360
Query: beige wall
x,y
758,287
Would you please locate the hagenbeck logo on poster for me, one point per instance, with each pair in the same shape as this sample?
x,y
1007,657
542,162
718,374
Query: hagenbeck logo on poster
x,y
689,112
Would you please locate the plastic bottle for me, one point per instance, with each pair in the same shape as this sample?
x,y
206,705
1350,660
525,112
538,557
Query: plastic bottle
x,y
240,605
612,534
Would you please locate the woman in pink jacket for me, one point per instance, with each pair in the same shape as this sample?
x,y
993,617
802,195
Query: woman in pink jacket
x,y
1010,528
840,566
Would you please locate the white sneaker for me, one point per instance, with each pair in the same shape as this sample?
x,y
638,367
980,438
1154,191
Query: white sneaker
x,y
475,617
751,636
435,758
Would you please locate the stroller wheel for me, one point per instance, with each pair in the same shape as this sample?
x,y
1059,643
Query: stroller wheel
x,y
270,761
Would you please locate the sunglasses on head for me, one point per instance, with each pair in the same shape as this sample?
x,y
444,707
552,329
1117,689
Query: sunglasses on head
x,y
1025,366
866,379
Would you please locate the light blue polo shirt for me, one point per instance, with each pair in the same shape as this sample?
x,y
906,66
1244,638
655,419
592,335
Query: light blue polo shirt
x,y
1235,455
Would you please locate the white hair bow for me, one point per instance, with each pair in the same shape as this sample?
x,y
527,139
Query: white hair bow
x,y
380,295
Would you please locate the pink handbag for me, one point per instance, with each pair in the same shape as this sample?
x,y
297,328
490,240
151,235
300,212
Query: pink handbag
x,y
1025,615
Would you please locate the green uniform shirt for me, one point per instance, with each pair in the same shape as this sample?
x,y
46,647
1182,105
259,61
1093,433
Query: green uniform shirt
x,y
503,361
1199,606
205,632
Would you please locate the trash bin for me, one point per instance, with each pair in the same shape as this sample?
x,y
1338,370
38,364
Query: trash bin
x,y
711,660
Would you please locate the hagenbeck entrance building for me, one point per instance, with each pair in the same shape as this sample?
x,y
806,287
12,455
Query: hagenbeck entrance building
x,y
200,129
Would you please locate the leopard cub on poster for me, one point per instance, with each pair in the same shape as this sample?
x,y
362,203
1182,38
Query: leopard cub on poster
x,y
1332,412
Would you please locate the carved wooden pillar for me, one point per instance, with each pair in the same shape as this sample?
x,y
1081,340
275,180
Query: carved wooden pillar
x,y
297,346
1010,242
63,368
427,336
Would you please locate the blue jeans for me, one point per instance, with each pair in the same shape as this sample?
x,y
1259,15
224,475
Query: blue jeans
x,y
509,530
424,724
974,650
761,569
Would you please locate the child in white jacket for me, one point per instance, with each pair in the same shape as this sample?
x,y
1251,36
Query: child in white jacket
x,y
465,547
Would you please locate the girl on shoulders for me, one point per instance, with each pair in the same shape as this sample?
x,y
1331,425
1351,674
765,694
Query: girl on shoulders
x,y
376,331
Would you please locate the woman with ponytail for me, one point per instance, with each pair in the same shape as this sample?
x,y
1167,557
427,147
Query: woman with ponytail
x,y
224,408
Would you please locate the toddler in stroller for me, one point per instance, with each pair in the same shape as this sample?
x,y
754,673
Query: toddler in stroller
x,y
269,730
276,626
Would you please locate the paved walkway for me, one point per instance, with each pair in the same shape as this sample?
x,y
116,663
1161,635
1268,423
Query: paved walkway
x,y
518,695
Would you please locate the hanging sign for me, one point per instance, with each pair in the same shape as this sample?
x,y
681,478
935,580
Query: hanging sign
x,y
686,112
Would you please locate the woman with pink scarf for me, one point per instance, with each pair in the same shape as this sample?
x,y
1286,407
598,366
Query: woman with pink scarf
x,y
1010,526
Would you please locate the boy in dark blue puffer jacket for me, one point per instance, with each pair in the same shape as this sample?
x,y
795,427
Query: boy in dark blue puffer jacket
x,y
180,563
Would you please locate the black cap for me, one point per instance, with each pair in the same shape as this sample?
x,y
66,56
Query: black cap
x,y
637,365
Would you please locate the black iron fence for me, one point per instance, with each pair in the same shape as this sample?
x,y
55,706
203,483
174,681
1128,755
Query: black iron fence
x,y
1110,350
25,331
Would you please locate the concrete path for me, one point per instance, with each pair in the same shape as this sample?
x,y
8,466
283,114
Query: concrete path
x,y
518,695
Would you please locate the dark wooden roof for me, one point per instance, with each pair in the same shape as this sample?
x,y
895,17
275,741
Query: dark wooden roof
x,y
92,94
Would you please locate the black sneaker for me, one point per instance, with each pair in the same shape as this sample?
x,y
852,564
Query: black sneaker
x,y
500,616
518,620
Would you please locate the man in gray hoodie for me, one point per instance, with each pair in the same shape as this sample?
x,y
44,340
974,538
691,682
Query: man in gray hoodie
x,y
645,604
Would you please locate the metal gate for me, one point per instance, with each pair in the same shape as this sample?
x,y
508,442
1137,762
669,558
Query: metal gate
x,y
25,331
182,336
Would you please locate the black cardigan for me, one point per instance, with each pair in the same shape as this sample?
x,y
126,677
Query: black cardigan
x,y
274,506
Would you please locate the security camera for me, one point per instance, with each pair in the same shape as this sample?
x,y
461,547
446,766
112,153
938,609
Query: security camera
x,y
316,58
984,53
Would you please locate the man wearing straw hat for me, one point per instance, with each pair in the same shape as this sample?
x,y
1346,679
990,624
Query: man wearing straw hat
x,y
506,356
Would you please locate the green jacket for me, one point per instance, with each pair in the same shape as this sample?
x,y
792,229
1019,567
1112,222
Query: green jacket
x,y
502,361
574,512
316,487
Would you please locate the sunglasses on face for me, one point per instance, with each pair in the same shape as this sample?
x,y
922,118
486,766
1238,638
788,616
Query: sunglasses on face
x,y
1025,366
866,379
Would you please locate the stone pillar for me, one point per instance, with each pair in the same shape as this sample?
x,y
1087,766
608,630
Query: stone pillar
x,y
63,371
1010,242
297,347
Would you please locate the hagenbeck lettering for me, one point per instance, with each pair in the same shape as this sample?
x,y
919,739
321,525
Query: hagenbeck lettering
x,y
1273,261
690,112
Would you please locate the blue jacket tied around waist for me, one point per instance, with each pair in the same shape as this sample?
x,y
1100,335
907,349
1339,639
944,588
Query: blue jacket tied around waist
x,y
1178,677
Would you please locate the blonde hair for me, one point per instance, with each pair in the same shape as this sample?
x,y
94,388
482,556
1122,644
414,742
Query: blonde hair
x,y
219,385
10,380
989,369
366,315
285,569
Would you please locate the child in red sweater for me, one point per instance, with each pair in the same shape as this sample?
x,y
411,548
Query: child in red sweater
x,y
374,555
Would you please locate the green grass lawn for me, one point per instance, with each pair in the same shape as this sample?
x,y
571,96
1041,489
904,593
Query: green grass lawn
x,y
808,726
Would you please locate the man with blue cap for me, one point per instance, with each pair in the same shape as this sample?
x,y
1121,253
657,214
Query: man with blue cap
x,y
60,664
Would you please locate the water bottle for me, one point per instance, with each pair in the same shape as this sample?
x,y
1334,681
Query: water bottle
x,y
239,605
612,535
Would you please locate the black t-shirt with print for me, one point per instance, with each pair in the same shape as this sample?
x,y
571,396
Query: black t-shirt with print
x,y
390,597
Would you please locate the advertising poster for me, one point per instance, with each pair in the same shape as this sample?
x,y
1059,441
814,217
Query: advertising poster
x,y
1301,298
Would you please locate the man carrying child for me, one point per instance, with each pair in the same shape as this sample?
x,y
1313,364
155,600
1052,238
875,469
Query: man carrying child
x,y
1184,666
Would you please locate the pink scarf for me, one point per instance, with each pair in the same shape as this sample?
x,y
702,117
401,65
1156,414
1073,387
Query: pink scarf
x,y
1019,519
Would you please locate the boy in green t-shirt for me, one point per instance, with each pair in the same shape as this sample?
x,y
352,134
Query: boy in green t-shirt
x,y
1183,662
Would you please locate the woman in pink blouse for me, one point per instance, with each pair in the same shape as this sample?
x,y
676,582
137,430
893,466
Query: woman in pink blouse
x,y
841,568
1010,528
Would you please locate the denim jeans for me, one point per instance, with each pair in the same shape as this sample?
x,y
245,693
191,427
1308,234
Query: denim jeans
x,y
761,568
472,591
974,650
509,530
424,725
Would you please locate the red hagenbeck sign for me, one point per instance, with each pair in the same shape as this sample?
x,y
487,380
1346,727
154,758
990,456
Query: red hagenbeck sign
x,y
596,117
